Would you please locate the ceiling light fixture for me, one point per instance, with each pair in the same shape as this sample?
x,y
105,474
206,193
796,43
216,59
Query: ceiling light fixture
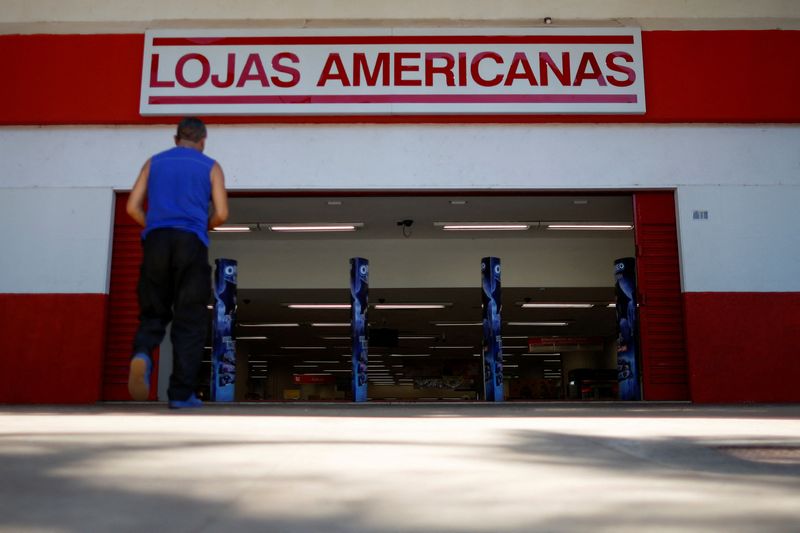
x,y
234,228
251,338
411,306
543,324
482,226
303,348
318,306
269,325
315,228
451,347
589,227
556,305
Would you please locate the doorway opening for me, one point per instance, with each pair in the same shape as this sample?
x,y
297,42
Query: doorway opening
x,y
558,318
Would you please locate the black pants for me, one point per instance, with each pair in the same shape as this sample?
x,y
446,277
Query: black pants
x,y
175,285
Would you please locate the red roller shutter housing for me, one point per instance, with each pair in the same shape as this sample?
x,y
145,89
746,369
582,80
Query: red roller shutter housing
x,y
663,345
123,308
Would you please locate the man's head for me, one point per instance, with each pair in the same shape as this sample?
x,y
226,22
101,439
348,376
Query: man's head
x,y
191,133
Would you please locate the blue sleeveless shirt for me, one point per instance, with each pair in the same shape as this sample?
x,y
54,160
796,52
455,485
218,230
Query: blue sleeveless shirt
x,y
179,191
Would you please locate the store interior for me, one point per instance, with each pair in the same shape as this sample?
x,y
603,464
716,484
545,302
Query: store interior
x,y
292,321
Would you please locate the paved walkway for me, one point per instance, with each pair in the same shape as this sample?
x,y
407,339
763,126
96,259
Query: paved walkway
x,y
417,468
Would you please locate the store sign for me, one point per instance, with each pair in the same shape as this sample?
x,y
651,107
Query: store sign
x,y
313,379
562,343
386,71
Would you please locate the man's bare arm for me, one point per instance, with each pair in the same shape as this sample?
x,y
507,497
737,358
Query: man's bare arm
x,y
135,206
219,198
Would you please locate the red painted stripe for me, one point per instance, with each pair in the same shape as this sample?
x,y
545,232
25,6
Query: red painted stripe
x,y
743,346
397,99
690,77
52,347
393,39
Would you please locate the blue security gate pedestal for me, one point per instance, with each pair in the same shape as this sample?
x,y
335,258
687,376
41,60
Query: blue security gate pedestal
x,y
628,325
492,339
359,291
223,355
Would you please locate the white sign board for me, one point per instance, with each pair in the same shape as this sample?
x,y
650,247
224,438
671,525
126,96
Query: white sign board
x,y
385,71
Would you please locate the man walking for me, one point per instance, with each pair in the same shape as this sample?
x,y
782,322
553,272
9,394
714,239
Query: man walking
x,y
175,278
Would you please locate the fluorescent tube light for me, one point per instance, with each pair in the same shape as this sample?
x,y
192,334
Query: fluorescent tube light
x,y
315,228
233,228
591,227
482,226
556,305
303,348
544,324
269,325
410,306
252,338
417,337
318,306
451,347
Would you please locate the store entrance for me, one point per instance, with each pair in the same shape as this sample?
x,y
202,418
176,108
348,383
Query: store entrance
x,y
558,321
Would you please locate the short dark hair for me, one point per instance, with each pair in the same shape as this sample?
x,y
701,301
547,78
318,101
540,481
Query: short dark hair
x,y
191,129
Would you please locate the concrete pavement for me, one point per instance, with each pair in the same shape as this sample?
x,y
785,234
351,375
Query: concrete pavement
x,y
400,467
